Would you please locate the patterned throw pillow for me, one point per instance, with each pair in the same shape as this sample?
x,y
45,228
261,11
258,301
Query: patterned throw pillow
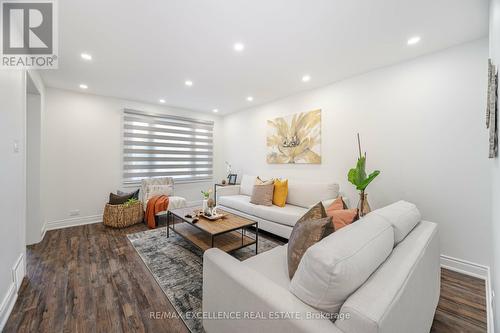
x,y
340,215
309,229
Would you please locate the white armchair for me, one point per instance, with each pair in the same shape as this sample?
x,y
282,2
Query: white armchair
x,y
174,201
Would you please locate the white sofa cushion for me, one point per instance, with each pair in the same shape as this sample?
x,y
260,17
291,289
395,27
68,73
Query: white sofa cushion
x,y
176,202
403,216
272,264
287,215
305,194
238,202
247,183
335,267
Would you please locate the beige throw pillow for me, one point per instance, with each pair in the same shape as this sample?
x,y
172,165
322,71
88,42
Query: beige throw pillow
x,y
262,194
309,229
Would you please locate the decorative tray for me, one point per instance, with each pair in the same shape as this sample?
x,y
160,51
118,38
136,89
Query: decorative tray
x,y
213,217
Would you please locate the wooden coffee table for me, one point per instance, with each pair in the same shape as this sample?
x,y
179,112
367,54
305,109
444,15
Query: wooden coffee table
x,y
228,233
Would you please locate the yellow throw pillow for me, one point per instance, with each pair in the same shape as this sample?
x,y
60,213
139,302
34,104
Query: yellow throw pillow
x,y
280,192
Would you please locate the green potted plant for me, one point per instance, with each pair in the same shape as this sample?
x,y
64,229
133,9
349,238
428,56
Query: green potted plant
x,y
358,177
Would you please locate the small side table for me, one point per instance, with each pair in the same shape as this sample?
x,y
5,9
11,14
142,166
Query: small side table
x,y
215,190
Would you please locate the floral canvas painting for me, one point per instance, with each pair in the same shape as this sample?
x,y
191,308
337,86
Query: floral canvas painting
x,y
295,139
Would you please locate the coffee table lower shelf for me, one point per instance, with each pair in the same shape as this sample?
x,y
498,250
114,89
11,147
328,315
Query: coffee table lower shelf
x,y
227,242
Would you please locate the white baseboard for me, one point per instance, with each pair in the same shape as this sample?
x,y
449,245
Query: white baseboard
x,y
43,231
18,272
478,271
465,267
73,222
489,304
76,221
7,305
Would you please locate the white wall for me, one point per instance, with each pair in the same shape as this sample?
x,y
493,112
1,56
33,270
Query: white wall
x,y
83,152
12,178
495,164
422,124
39,222
34,218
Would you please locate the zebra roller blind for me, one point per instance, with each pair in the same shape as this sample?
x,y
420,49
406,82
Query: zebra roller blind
x,y
157,145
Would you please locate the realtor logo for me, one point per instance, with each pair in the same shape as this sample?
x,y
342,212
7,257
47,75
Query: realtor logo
x,y
29,38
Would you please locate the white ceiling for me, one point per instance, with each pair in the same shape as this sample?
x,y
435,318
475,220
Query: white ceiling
x,y
145,50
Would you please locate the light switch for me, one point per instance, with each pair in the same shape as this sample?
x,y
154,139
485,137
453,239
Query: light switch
x,y
16,146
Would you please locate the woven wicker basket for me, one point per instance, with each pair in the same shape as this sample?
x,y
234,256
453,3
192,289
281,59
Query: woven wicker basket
x,y
121,216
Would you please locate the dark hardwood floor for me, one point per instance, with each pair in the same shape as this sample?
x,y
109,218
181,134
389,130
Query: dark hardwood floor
x,y
90,279
462,305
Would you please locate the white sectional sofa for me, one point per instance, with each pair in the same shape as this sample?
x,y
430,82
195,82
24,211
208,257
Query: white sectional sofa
x,y
274,219
399,295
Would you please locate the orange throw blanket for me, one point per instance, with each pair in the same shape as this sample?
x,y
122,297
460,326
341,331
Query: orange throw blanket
x,y
155,205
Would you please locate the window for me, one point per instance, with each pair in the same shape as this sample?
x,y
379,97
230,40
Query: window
x,y
166,146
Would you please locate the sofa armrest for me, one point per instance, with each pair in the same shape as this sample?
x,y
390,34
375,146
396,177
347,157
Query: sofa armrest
x,y
238,299
227,190
391,300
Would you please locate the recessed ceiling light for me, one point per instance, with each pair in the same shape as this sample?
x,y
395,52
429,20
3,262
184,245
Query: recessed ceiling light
x,y
188,83
86,56
83,86
414,40
306,78
238,47
162,101
250,98
215,110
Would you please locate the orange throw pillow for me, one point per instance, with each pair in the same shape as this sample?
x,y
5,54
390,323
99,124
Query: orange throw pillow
x,y
337,204
280,192
341,216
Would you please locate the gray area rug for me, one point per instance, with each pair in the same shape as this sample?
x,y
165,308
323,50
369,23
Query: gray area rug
x,y
177,267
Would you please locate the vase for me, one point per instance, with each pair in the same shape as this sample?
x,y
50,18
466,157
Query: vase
x,y
363,205
205,205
